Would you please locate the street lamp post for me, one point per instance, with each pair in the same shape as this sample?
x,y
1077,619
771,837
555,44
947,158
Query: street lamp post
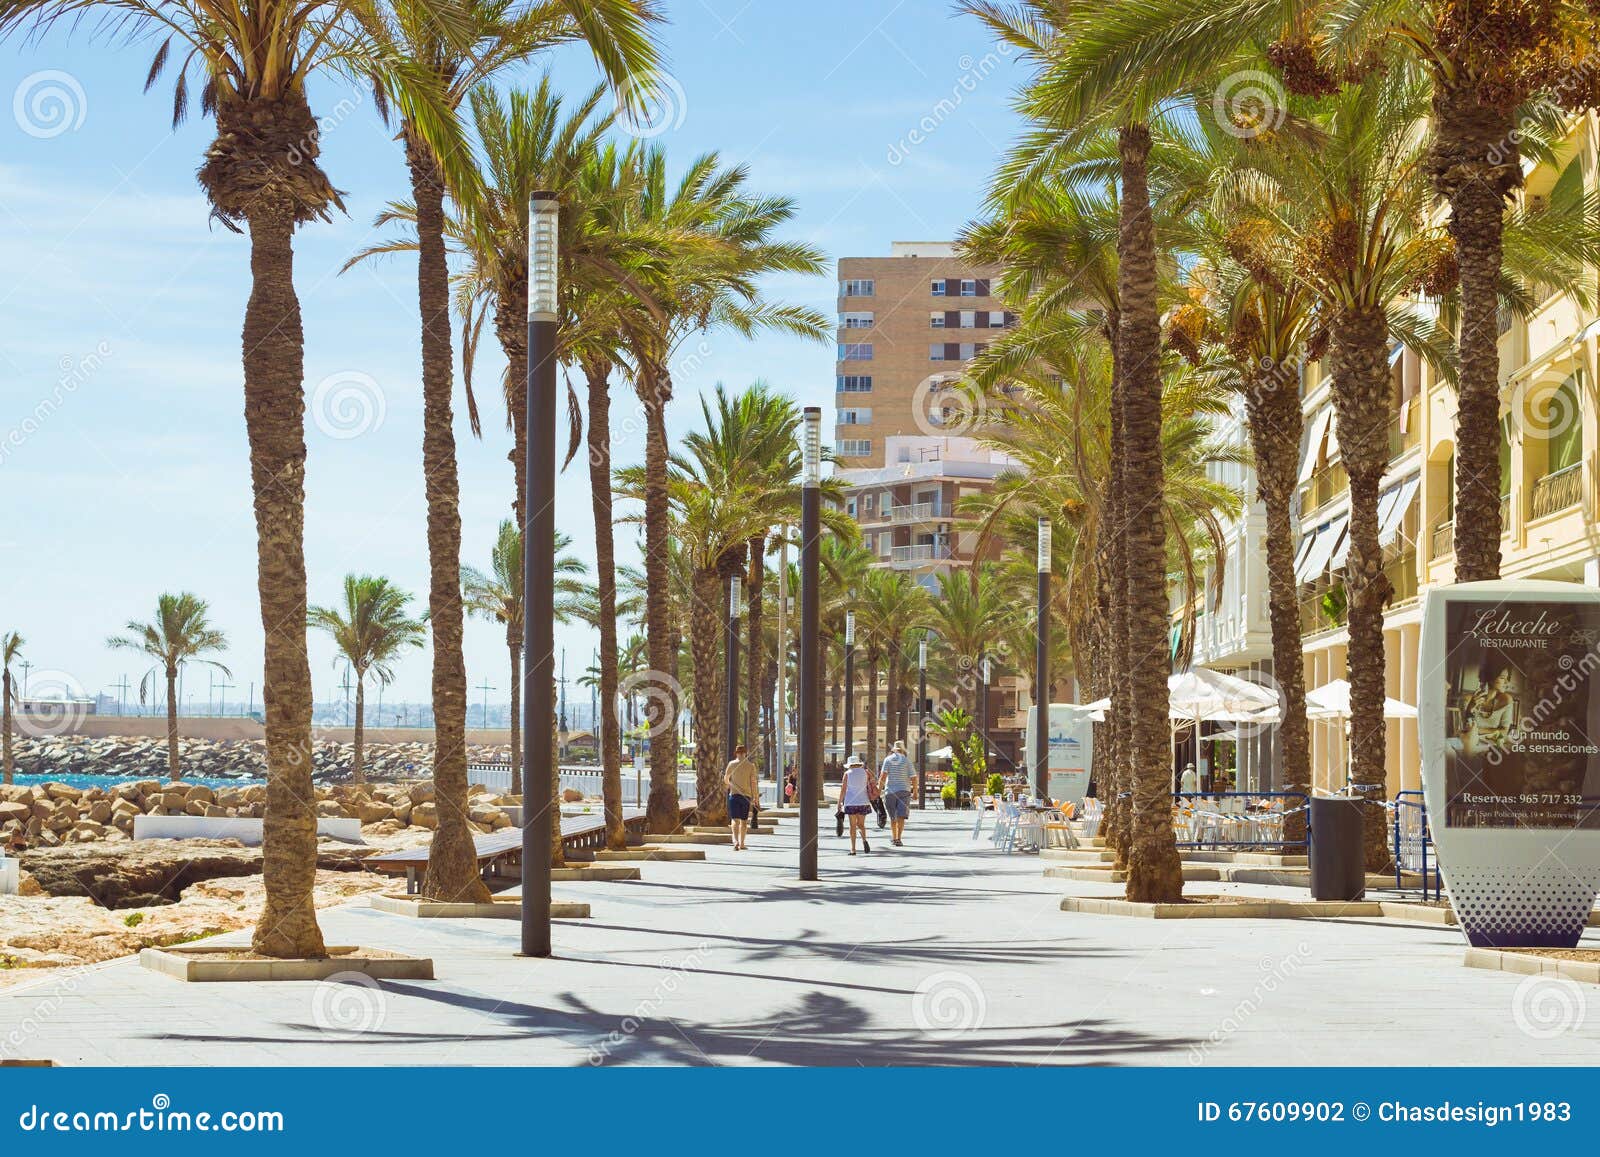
x,y
538,569
730,671
849,683
922,724
809,693
983,709
1041,670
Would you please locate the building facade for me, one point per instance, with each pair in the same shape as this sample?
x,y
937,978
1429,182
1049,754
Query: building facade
x,y
907,325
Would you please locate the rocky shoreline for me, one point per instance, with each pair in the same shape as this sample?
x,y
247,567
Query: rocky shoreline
x,y
141,757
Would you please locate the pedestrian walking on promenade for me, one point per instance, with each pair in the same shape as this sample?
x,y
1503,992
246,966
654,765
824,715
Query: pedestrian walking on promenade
x,y
854,801
898,783
743,790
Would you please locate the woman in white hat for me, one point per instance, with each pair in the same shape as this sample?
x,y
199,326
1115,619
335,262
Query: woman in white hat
x,y
854,800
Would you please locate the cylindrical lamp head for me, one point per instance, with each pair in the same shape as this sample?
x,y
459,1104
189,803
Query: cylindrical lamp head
x,y
986,670
544,232
849,628
735,586
922,654
1044,546
811,446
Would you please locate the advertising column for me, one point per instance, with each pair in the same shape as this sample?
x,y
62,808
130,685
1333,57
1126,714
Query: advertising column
x,y
1509,715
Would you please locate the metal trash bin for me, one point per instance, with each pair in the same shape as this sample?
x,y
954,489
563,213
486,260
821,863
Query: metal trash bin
x,y
1338,854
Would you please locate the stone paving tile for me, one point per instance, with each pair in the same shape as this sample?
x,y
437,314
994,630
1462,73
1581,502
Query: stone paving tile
x,y
943,952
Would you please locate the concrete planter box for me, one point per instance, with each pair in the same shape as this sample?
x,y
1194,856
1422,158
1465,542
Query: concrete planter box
x,y
1246,910
1078,855
594,872
507,909
1527,964
246,831
1108,874
690,838
649,853
212,963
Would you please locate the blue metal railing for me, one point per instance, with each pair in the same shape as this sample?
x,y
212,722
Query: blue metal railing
x,y
1240,819
1413,843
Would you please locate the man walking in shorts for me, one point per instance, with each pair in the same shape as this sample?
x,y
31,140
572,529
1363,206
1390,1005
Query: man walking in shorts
x,y
898,783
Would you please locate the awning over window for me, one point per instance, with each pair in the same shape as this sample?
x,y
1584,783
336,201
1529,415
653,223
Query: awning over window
x,y
1324,541
1392,507
1316,434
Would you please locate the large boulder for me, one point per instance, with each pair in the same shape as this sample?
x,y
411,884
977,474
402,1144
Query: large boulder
x,y
19,812
370,812
145,873
421,792
425,815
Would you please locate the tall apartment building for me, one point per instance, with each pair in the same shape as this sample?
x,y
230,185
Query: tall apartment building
x,y
908,324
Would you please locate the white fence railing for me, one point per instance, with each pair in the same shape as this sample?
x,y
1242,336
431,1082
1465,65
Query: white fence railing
x,y
587,779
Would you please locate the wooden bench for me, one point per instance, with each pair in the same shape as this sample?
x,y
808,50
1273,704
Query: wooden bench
x,y
500,853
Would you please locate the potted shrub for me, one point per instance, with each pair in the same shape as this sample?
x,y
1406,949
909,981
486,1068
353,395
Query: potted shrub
x,y
996,784
948,794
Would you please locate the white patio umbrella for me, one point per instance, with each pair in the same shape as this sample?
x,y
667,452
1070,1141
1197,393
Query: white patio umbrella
x,y
1200,694
1331,701
944,752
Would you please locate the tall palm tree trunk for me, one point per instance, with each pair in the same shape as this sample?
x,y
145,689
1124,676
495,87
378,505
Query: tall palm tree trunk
x,y
1361,388
605,578
1476,164
274,408
452,858
1113,567
755,652
514,649
7,757
359,772
662,813
1154,873
705,631
1272,409
174,763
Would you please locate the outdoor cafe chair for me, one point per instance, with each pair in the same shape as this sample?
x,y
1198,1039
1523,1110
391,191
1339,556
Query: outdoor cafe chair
x,y
1029,831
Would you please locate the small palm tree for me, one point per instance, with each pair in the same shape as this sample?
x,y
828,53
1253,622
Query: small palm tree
x,y
497,596
180,633
10,648
370,630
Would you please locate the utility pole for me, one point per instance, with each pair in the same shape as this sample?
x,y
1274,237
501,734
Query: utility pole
x,y
222,697
780,712
1041,666
486,688
563,682
25,665
810,667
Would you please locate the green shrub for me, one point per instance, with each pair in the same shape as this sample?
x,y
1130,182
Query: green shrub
x,y
948,793
996,784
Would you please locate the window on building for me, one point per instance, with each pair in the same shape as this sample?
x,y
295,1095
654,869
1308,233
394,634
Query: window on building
x,y
969,318
936,287
997,319
858,287
853,417
969,287
853,447
936,321
936,352
854,383
856,320
855,351
1563,419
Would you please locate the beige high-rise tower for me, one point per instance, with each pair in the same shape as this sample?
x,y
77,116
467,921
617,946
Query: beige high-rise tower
x,y
908,324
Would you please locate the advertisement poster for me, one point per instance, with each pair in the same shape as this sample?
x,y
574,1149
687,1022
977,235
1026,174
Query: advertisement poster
x,y
1071,752
1522,715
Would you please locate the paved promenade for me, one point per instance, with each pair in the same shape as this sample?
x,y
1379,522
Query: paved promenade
x,y
943,952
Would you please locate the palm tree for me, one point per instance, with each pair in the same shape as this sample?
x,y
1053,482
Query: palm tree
x,y
966,616
497,596
371,631
889,605
720,246
180,633
262,177
10,648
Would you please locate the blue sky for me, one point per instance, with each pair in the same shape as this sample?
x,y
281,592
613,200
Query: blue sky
x,y
123,468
